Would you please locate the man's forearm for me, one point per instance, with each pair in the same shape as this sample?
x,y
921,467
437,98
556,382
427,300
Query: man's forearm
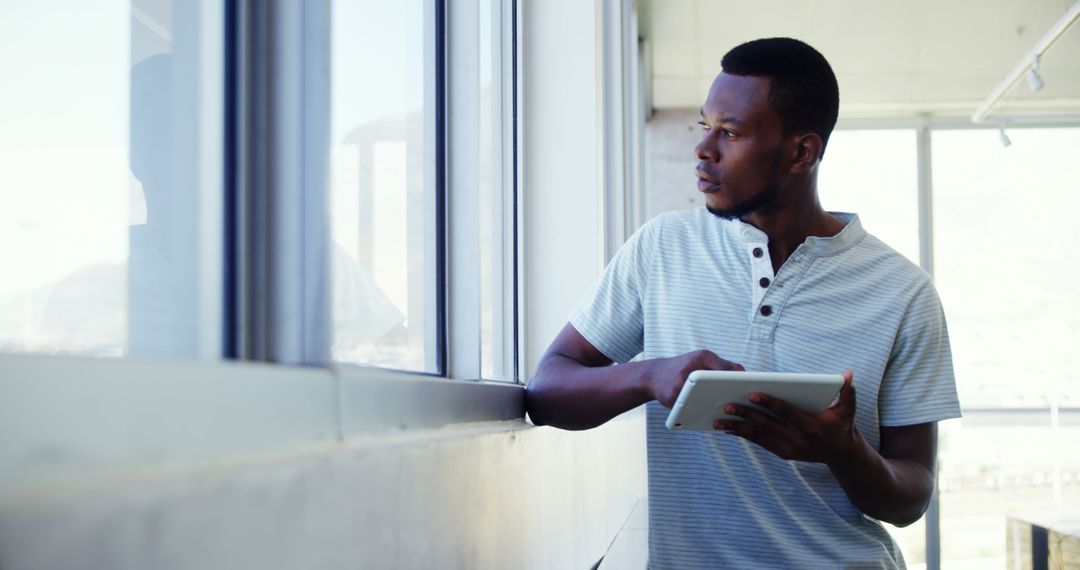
x,y
891,490
568,395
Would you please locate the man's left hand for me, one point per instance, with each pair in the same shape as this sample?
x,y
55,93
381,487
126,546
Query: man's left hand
x,y
828,437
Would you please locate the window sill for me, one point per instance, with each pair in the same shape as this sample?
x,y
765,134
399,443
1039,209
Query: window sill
x,y
63,416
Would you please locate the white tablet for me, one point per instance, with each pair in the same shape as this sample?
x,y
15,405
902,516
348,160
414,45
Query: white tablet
x,y
706,392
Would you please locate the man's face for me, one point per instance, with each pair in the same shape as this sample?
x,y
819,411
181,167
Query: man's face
x,y
739,168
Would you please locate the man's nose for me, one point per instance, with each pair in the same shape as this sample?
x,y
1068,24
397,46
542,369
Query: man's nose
x,y
706,150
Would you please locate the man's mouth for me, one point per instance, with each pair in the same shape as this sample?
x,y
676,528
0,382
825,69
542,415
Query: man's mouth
x,y
706,183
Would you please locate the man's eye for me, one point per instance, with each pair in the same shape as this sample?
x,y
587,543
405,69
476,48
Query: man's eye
x,y
728,134
703,125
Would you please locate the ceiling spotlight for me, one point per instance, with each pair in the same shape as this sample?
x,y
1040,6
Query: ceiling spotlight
x,y
1004,137
1033,80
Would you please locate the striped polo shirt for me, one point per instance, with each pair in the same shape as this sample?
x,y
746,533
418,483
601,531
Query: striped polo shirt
x,y
689,280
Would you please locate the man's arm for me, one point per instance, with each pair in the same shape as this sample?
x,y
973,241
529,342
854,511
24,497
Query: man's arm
x,y
892,486
576,387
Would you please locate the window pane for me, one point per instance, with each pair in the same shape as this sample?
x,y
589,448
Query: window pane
x,y
875,174
1007,263
110,178
1006,267
496,196
382,192
912,542
988,472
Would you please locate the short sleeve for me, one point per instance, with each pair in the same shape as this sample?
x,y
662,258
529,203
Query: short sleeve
x,y
919,384
611,316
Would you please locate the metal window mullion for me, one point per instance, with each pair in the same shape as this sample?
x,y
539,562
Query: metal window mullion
x,y
431,321
504,281
230,316
505,78
517,140
614,145
926,197
627,42
282,111
926,261
316,270
635,126
462,197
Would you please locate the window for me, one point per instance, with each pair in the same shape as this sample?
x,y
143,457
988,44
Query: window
x,y
1004,265
111,179
128,248
874,173
383,193
206,179
394,211
144,244
1006,268
497,214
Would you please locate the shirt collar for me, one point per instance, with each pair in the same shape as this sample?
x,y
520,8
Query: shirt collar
x,y
852,233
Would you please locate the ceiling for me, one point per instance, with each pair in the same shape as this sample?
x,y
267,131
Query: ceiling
x,y
918,57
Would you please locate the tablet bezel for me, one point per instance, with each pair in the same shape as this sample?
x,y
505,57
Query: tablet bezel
x,y
706,392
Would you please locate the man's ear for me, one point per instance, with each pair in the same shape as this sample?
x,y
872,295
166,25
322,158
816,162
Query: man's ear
x,y
808,147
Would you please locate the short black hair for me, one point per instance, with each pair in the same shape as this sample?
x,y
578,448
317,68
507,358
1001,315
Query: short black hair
x,y
803,89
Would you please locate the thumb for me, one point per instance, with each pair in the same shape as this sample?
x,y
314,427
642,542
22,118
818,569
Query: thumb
x,y
845,399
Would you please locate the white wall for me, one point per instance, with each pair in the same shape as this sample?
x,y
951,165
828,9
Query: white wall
x,y
670,138
562,172
112,464
487,496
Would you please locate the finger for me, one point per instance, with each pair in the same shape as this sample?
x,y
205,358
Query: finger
x,y
759,421
784,410
715,362
836,399
740,428
726,425
761,436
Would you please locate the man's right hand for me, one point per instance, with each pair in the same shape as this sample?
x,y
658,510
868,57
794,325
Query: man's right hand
x,y
575,386
667,375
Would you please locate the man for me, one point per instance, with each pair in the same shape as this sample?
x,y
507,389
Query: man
x,y
764,279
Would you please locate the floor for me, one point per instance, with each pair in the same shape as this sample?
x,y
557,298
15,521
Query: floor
x,y
630,549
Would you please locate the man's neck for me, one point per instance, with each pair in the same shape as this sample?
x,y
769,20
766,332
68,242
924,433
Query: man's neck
x,y
789,226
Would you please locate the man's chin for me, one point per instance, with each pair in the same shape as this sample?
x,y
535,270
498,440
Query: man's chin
x,y
725,214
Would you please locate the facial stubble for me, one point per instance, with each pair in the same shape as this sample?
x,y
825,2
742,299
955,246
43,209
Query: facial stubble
x,y
767,196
